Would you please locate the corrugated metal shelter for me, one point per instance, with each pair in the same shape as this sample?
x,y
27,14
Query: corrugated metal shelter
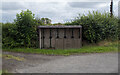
x,y
60,37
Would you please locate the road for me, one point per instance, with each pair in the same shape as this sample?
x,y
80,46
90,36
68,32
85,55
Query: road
x,y
82,63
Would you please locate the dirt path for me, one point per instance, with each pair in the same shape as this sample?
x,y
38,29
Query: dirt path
x,y
83,63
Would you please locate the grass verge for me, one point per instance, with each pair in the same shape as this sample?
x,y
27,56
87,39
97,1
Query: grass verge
x,y
6,56
85,49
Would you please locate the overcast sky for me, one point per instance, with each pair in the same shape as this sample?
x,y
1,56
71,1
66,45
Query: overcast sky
x,y
58,11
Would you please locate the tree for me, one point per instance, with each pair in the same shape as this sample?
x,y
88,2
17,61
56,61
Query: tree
x,y
58,24
46,20
9,35
97,26
38,21
25,23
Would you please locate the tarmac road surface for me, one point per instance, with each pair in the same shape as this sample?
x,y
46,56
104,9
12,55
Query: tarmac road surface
x,y
83,63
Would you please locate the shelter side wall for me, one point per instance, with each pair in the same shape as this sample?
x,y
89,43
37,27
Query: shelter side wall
x,y
60,38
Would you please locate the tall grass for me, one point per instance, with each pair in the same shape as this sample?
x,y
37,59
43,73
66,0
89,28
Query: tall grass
x,y
108,47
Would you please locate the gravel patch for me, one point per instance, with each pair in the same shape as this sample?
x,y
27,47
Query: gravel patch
x,y
82,63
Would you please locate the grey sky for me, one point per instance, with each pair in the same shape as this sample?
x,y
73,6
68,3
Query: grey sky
x,y
85,4
57,11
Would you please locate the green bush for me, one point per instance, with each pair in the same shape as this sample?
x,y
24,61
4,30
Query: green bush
x,y
25,27
119,29
23,33
8,35
97,26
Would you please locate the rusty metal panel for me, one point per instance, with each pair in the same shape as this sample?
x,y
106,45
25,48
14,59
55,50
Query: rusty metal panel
x,y
53,34
60,26
53,43
76,43
80,42
46,43
76,33
40,39
68,43
59,44
68,33
61,33
47,33
81,36
41,42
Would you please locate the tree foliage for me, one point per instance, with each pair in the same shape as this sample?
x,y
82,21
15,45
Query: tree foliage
x,y
46,21
25,23
97,26
23,33
9,35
